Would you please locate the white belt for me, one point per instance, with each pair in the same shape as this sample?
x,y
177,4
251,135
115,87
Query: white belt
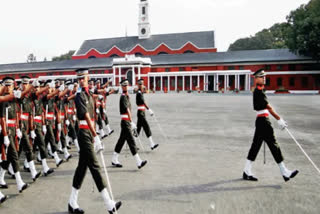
x,y
38,118
83,122
9,121
61,117
124,116
70,111
141,108
25,117
264,111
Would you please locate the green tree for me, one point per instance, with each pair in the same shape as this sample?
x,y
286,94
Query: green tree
x,y
304,31
31,58
64,56
270,38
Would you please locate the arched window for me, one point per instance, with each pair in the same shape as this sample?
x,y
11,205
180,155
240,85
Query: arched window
x,y
114,56
162,53
92,57
188,51
138,54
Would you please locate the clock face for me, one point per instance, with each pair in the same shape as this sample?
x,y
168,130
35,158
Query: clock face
x,y
143,30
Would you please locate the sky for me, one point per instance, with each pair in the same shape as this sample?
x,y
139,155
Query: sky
x,y
51,28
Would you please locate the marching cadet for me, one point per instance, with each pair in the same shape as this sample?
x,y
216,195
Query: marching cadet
x,y
102,109
89,143
60,115
127,127
75,118
142,121
40,125
50,108
71,116
10,128
264,131
27,128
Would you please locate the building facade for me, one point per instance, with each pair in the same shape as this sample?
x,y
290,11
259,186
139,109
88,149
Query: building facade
x,y
178,62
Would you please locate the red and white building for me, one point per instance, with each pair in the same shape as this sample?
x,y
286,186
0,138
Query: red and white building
x,y
180,61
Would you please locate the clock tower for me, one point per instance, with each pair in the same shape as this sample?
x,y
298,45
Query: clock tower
x,y
144,25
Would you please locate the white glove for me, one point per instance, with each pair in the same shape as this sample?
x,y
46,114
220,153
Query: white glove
x,y
17,94
133,125
44,129
104,111
35,83
19,133
92,90
74,117
59,127
71,87
67,122
97,144
32,134
6,141
106,89
52,84
150,112
282,124
0,128
100,97
61,88
97,111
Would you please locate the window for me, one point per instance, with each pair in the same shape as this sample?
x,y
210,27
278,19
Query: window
x,y
188,51
167,69
181,69
114,56
138,54
143,10
279,81
92,57
268,81
241,67
304,82
291,81
292,67
268,67
279,67
161,53
230,67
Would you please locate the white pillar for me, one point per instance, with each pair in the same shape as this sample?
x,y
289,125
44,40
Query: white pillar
x,y
154,83
148,83
161,86
190,83
133,77
182,82
238,82
114,76
120,75
139,71
168,83
225,83
176,83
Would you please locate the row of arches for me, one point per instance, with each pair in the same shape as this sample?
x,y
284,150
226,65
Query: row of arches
x,y
138,54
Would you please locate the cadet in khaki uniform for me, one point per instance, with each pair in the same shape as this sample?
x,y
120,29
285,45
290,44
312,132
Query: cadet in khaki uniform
x,y
10,125
127,127
142,120
264,131
28,133
39,124
89,143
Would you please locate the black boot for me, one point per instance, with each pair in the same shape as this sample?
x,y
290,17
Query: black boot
x,y
3,199
37,176
72,210
117,206
249,177
293,174
118,165
60,162
154,147
143,163
25,186
48,172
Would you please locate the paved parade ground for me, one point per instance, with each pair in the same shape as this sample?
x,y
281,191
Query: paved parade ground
x,y
198,168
